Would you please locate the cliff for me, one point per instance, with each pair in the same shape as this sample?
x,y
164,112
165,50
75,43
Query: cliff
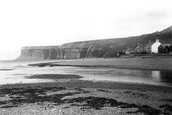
x,y
96,48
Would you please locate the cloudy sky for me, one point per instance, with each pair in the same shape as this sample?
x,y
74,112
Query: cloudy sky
x,y
54,22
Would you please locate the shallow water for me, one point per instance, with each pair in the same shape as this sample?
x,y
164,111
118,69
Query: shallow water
x,y
15,72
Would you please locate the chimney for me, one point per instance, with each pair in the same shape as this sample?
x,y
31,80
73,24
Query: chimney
x,y
157,40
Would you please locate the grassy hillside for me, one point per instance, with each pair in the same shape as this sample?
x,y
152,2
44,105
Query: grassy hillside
x,y
110,47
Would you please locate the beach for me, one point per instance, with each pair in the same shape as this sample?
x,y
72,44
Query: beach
x,y
71,95
157,63
148,63
85,97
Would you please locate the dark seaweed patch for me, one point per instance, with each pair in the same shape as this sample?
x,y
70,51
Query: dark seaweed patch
x,y
100,102
31,95
81,90
141,95
127,91
2,102
167,100
167,109
103,90
43,64
148,110
38,95
53,76
9,106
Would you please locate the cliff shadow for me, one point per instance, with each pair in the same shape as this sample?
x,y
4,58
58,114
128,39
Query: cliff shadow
x,y
45,53
53,54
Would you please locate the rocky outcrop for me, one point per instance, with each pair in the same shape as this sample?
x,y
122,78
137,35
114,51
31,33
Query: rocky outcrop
x,y
96,48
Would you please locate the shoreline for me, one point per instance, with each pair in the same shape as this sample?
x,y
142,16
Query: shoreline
x,y
70,95
70,77
94,84
153,64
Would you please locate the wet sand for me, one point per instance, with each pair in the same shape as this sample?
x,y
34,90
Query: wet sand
x,y
74,96
154,63
68,95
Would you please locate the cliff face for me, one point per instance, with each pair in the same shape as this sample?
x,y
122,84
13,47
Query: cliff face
x,y
95,48
50,52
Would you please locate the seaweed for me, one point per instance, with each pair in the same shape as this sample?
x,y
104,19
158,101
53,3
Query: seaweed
x,y
103,90
53,76
38,95
167,100
98,103
167,109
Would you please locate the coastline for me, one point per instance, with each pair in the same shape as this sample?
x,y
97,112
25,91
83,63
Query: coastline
x,y
156,63
92,84
70,95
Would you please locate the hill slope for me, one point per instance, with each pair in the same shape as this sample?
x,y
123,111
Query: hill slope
x,y
94,48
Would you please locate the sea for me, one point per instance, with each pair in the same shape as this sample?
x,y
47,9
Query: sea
x,y
12,72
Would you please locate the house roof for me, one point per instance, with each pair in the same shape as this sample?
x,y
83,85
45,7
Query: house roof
x,y
165,45
149,44
139,47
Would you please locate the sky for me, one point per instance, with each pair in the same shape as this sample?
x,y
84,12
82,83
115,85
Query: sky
x,y
54,22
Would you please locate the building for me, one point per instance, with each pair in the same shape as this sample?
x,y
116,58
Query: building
x,y
165,48
150,47
139,49
157,47
147,47
154,47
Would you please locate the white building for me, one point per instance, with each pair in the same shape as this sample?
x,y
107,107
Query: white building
x,y
154,47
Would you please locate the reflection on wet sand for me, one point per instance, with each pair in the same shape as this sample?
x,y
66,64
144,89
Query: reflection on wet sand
x,y
156,75
17,75
162,76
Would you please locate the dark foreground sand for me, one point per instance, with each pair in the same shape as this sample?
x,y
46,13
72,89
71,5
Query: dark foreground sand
x,y
76,97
